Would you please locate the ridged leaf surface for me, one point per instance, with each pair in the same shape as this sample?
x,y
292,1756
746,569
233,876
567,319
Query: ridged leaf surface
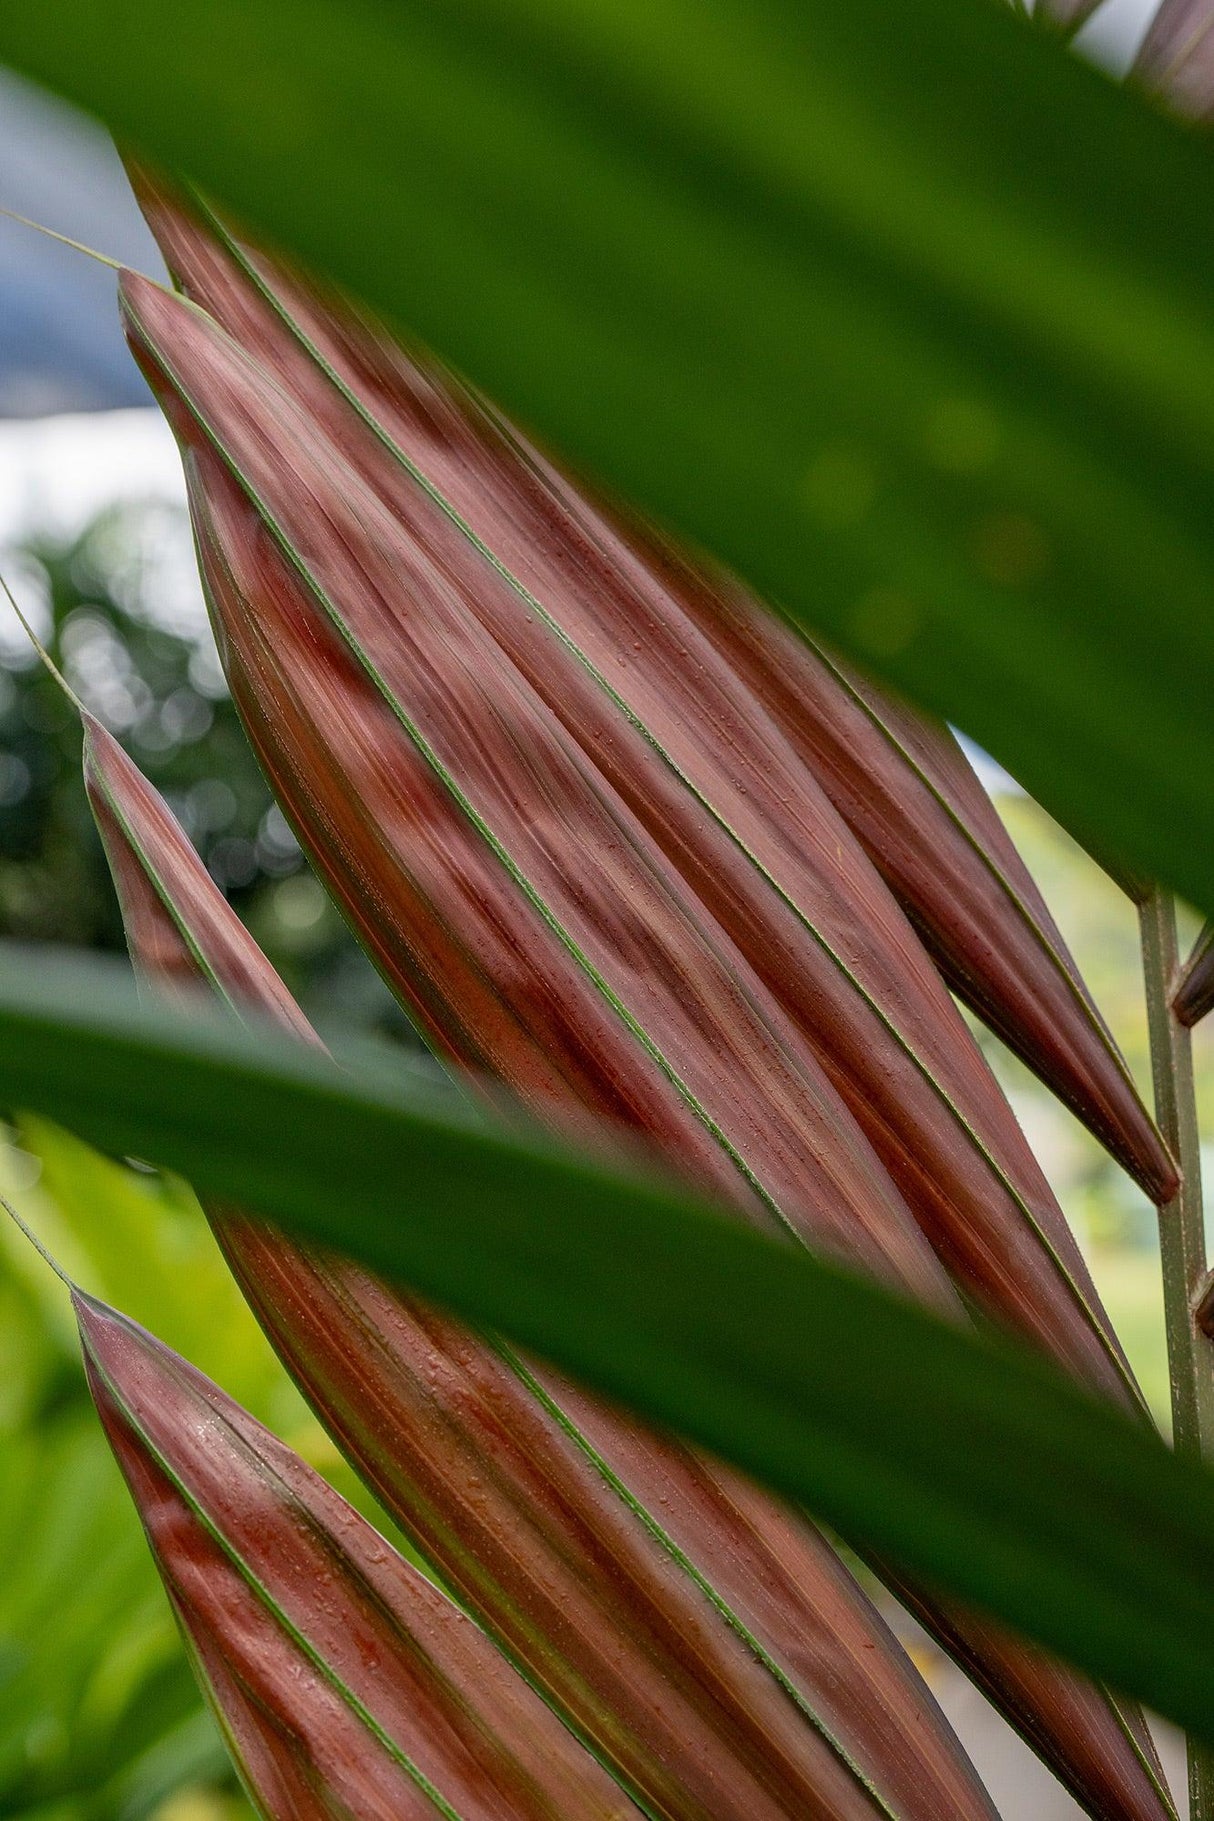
x,y
345,1683
813,1069
710,662
718,255
422,1408
969,1459
709,1644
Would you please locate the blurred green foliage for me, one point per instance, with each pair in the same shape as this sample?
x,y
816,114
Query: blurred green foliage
x,y
120,610
99,1716
100,1719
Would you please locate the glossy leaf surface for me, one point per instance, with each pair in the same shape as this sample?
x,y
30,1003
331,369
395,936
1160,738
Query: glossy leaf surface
x,y
365,667
344,1681
465,1445
722,259
444,826
911,797
726,711
1100,1543
710,1645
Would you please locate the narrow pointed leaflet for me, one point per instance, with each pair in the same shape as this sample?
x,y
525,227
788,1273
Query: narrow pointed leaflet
x,y
632,610
1195,993
911,797
796,931
344,1682
706,1642
1111,1767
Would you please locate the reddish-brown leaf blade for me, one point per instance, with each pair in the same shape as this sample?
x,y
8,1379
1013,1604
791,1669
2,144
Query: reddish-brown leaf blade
x,y
544,976
346,1683
1176,58
902,784
431,867
178,925
682,985
1195,994
422,1408
910,795
653,1644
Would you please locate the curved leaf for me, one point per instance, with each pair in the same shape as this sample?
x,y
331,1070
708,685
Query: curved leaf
x,y
465,1446
344,1682
711,661
720,257
595,1563
910,794
364,663
969,1461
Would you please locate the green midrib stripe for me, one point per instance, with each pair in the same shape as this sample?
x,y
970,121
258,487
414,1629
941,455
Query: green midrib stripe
x,y
666,1542
167,901
637,1507
566,1423
531,600
466,807
396,1752
208,973
1041,936
975,1139
534,897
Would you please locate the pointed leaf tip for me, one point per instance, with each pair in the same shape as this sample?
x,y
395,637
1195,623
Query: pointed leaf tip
x,y
344,1681
800,986
1195,993
178,925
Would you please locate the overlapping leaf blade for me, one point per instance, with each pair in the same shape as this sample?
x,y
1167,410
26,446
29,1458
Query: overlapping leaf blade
x,y
1089,1750
716,992
701,253
711,1645
911,797
966,1458
344,1681
710,661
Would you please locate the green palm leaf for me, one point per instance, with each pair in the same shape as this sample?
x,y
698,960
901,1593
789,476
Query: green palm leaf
x,y
970,1462
745,265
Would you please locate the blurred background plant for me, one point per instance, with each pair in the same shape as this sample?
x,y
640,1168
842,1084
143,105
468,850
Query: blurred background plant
x,y
100,1717
119,607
